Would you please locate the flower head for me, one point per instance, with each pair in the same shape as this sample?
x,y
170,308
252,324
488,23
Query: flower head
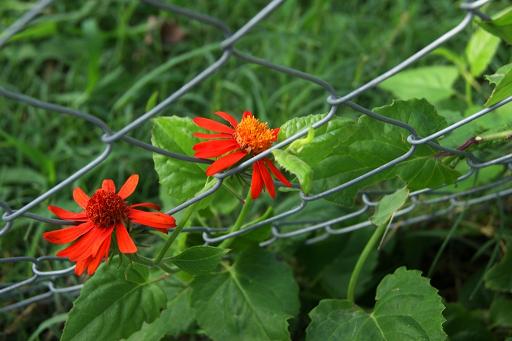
x,y
103,213
232,143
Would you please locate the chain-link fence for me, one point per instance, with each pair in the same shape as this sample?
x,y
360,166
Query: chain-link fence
x,y
42,284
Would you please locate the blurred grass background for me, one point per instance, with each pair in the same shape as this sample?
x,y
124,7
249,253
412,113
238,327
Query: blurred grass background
x,y
111,58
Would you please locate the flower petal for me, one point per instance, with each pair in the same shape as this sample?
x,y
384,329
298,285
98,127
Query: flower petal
x,y
256,182
267,179
228,118
214,148
212,125
81,246
225,162
69,234
102,254
213,136
124,241
87,245
67,215
80,197
247,114
147,205
276,132
277,173
152,219
80,267
129,186
108,185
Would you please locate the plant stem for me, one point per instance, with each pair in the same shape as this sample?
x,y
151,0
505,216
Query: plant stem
x,y
174,235
239,221
445,243
369,247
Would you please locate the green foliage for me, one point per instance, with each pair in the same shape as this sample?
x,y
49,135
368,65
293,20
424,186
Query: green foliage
x,y
499,277
434,83
182,180
114,303
480,51
407,308
503,88
199,260
175,318
500,25
463,324
254,297
501,312
343,149
388,206
295,166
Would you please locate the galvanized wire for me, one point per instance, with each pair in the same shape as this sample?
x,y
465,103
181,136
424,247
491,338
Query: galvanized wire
x,y
444,203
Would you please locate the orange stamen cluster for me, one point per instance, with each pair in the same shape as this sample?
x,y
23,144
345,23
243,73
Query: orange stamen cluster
x,y
254,136
106,209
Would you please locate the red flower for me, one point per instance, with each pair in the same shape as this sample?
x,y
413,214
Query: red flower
x,y
250,136
103,213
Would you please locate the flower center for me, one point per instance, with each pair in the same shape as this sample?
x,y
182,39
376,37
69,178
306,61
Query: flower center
x,y
254,136
106,209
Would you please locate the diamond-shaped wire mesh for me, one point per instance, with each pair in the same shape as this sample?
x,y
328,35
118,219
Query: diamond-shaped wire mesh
x,y
41,285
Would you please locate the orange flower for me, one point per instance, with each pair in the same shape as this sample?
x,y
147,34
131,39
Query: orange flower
x,y
250,136
103,213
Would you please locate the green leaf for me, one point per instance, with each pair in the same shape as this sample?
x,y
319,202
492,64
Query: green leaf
x,y
407,308
502,90
496,77
501,312
199,260
343,150
181,180
500,25
499,276
253,298
462,324
433,83
296,166
175,319
480,50
388,206
114,303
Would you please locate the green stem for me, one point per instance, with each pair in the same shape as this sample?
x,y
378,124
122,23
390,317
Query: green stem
x,y
370,246
174,235
445,243
239,221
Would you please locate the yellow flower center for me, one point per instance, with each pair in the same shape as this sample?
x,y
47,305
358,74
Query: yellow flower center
x,y
254,136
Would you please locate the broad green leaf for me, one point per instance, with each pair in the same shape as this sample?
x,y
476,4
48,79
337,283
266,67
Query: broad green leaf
x,y
407,308
175,319
502,90
114,303
252,299
344,149
181,180
433,83
496,77
296,166
500,25
501,312
462,324
388,206
499,276
199,260
480,50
